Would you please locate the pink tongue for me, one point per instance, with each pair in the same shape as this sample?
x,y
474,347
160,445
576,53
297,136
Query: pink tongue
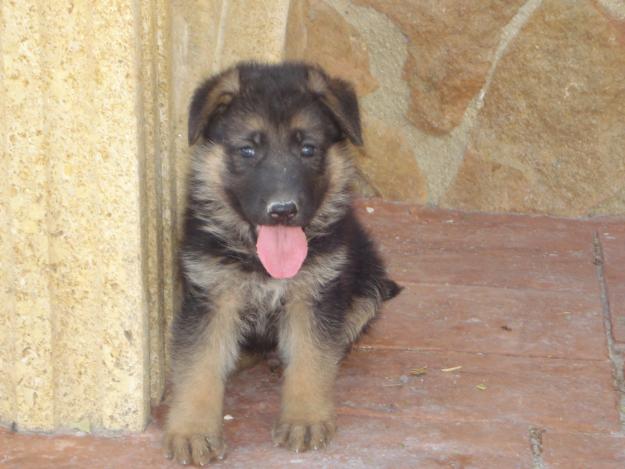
x,y
281,249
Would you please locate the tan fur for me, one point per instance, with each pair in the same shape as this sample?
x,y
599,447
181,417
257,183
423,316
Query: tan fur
x,y
318,273
316,82
247,360
207,273
337,198
208,166
307,414
361,312
194,424
253,123
303,120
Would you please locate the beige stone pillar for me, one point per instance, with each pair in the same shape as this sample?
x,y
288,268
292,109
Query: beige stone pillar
x,y
74,307
94,98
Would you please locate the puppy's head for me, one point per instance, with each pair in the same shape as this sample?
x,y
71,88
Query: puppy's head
x,y
270,142
275,128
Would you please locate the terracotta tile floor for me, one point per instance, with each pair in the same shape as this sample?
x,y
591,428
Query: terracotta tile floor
x,y
518,323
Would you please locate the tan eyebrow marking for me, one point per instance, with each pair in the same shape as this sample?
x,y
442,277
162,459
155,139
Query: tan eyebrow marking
x,y
303,120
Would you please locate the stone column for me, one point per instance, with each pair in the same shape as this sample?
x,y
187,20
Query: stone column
x,y
74,307
93,137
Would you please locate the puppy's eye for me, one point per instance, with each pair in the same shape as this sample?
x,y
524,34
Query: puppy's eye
x,y
308,150
247,152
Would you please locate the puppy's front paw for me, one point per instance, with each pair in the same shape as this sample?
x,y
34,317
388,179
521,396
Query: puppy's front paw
x,y
301,436
194,448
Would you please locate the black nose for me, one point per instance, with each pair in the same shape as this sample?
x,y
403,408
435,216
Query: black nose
x,y
282,210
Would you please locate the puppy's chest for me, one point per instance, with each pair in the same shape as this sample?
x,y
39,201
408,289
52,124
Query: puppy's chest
x,y
264,306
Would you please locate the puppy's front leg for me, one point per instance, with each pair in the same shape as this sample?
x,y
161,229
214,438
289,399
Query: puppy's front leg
x,y
307,416
202,362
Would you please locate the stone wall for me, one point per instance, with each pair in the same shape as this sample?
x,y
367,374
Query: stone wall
x,y
497,105
493,105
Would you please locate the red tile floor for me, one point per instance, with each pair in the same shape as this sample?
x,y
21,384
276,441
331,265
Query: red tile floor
x,y
504,350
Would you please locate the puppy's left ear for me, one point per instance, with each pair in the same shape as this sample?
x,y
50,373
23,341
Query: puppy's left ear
x,y
211,98
340,99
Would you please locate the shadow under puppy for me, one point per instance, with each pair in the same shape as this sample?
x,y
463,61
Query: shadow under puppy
x,y
273,257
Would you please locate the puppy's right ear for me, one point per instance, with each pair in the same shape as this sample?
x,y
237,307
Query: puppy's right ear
x,y
211,98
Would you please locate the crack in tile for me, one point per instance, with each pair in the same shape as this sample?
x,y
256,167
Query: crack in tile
x,y
402,348
616,358
547,290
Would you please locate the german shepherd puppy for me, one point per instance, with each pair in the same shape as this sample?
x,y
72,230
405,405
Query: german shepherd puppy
x,y
273,257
